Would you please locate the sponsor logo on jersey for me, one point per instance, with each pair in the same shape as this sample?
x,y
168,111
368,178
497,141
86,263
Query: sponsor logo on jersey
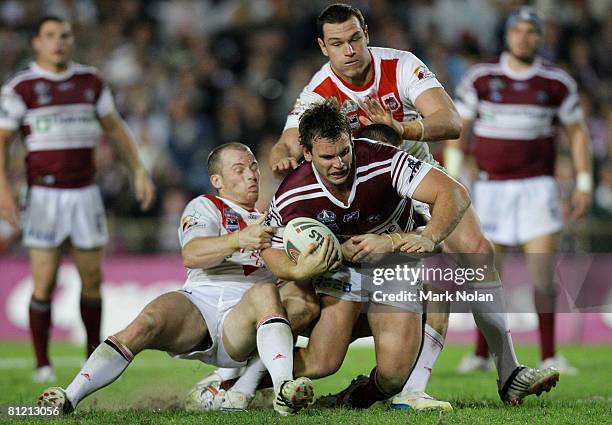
x,y
326,217
542,97
374,218
391,102
42,93
352,216
421,72
190,221
353,120
415,166
89,95
349,106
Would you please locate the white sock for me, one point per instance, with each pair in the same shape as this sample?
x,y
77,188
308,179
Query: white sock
x,y
105,364
249,380
227,373
275,347
490,317
433,343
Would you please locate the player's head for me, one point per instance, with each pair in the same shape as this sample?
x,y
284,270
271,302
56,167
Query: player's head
x,y
381,133
523,33
325,134
234,172
343,38
53,42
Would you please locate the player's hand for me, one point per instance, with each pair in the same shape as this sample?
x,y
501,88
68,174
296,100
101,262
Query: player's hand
x,y
349,249
311,263
8,208
256,235
377,113
285,166
581,201
370,247
144,189
414,242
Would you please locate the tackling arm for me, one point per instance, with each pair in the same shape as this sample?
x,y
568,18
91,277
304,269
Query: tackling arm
x,y
286,152
124,145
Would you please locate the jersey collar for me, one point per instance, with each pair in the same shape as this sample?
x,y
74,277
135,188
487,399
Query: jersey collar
x,y
54,76
349,86
515,75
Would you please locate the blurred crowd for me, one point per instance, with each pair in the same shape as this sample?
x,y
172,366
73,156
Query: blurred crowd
x,y
188,75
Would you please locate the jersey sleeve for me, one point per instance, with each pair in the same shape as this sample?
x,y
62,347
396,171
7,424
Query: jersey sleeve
x,y
466,98
414,77
201,218
12,108
407,172
306,98
105,104
570,110
274,219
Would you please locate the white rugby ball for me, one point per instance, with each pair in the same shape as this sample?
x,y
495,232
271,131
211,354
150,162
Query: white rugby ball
x,y
301,232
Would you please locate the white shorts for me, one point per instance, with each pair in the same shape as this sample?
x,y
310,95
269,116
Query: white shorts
x,y
351,285
214,303
513,212
53,215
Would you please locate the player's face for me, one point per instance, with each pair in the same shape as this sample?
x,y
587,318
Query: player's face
x,y
333,159
346,46
54,45
523,39
239,180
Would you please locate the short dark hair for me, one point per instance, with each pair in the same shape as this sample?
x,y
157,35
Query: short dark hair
x,y
380,133
338,13
214,157
323,119
49,18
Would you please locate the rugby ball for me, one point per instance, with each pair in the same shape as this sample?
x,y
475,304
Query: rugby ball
x,y
301,232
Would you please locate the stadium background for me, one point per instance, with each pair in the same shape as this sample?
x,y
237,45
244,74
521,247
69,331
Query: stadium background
x,y
189,75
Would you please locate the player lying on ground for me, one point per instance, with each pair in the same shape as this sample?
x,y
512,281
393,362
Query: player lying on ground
x,y
229,307
423,112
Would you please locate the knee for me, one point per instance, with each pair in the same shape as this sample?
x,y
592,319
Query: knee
x,y
391,381
301,313
263,295
141,332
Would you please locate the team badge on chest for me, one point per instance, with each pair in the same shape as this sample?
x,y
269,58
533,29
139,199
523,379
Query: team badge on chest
x,y
391,102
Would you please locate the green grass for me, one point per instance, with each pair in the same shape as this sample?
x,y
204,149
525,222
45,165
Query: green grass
x,y
151,389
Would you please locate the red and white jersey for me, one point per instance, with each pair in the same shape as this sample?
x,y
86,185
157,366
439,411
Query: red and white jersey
x,y
57,114
210,215
398,79
379,202
515,116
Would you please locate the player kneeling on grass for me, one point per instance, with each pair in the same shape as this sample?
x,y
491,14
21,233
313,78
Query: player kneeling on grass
x,y
228,310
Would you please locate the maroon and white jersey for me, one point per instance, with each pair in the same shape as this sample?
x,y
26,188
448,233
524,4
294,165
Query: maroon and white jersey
x,y
210,215
398,79
57,114
379,202
516,115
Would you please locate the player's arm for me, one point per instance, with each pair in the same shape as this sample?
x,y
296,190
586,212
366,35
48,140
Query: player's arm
x,y
580,146
8,205
448,200
453,150
441,121
286,152
124,145
208,251
310,263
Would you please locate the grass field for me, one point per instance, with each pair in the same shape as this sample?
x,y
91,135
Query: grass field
x,y
151,389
